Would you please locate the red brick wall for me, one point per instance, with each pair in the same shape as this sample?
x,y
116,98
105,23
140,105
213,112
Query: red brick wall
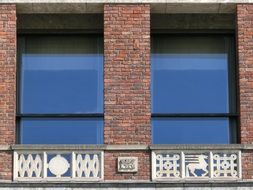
x,y
247,165
5,165
127,74
127,85
111,165
245,57
7,85
245,61
7,73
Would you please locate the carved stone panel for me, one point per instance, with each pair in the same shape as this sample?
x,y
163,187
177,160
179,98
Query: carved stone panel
x,y
127,164
217,164
168,165
58,165
197,165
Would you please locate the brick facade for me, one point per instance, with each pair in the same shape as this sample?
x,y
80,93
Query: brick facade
x,y
143,165
245,62
7,85
127,74
127,117
127,85
247,165
7,73
5,165
245,58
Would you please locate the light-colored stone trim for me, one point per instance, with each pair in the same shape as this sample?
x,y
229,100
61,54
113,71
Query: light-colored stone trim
x,y
96,6
129,147
5,147
126,1
58,147
203,147
128,183
80,147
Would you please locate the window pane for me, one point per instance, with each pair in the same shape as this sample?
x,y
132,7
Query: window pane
x,y
61,131
189,75
62,75
191,131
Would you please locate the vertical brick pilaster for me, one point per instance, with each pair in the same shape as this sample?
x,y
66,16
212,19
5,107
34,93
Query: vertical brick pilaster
x,y
127,85
127,73
245,58
7,85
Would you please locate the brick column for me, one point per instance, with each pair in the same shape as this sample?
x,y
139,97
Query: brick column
x,y
245,58
127,85
127,74
7,85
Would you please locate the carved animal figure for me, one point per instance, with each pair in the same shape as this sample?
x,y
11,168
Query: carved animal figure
x,y
196,162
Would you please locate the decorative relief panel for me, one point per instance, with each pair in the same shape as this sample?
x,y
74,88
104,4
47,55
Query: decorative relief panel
x,y
87,165
29,165
168,165
127,164
196,165
225,165
58,166
189,165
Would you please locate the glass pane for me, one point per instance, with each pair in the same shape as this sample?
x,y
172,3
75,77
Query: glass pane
x,y
62,75
191,131
189,75
61,131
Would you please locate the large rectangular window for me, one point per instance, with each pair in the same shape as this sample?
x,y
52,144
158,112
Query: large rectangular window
x,y
61,89
193,89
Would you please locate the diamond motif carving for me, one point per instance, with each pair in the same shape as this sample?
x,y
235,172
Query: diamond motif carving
x,y
30,165
86,165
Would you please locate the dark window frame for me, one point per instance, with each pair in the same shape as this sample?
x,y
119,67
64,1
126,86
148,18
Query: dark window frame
x,y
233,115
20,48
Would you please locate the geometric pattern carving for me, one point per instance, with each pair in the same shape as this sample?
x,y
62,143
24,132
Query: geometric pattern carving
x,y
30,165
168,165
225,165
86,165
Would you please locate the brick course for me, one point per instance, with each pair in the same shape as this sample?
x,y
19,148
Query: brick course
x,y
127,74
7,85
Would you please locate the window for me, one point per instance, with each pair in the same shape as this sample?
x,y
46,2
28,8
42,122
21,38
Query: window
x,y
193,89
60,89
